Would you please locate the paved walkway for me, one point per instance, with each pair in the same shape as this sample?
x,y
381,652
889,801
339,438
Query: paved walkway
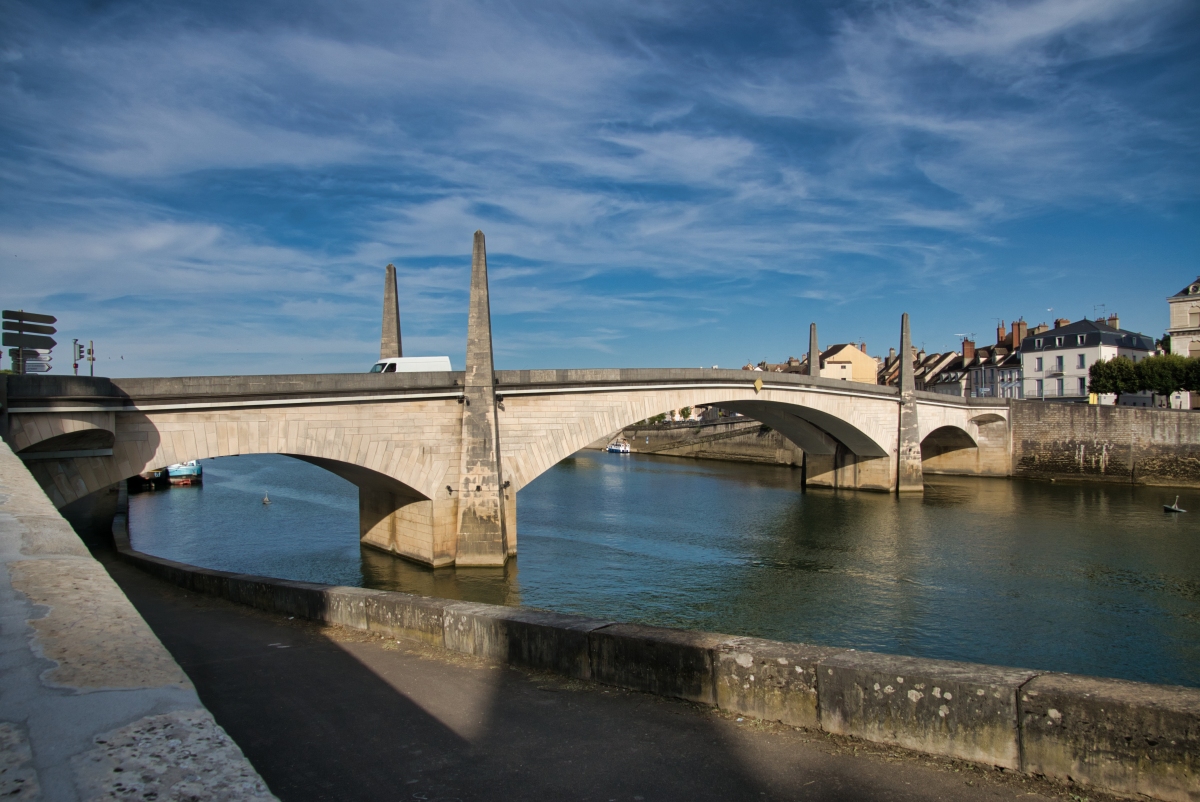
x,y
331,714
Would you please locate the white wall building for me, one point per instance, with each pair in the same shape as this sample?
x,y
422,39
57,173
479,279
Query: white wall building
x,y
1184,331
1055,363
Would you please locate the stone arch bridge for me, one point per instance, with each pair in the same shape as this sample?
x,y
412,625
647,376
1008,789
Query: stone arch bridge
x,y
440,457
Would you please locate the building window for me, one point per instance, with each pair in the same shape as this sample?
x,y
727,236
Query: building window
x,y
1194,318
1038,343
1059,387
1058,363
1082,386
1037,363
1079,339
1040,391
1058,341
1081,362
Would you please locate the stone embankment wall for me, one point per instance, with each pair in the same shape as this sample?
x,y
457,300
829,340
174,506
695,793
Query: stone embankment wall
x,y
91,704
736,440
1121,736
1119,444
1122,444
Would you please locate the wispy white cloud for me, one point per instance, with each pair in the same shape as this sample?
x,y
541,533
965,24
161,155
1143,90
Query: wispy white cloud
x,y
251,170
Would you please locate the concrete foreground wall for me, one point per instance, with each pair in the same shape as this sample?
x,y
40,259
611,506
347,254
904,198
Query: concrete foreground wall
x,y
1119,736
1123,444
91,704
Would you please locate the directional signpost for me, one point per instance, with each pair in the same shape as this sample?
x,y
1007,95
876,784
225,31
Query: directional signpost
x,y
28,335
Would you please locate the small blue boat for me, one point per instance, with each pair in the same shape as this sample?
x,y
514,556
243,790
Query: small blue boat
x,y
185,473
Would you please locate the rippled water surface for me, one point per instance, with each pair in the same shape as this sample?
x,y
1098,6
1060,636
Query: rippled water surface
x,y
1086,578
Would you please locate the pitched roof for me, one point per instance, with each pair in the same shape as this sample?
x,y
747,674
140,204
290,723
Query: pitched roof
x,y
1107,335
1188,289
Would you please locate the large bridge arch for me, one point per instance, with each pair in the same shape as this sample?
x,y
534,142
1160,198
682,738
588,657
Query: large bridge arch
x,y
539,429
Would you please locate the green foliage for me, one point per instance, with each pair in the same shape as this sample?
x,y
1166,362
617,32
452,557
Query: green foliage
x,y
685,413
1118,375
1163,375
1191,376
659,418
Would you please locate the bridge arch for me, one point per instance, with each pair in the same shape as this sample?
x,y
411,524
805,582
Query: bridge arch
x,y
944,440
66,431
538,431
359,449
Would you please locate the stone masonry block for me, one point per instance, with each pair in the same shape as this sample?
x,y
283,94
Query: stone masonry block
x,y
1123,736
666,662
404,615
531,638
770,680
961,710
347,607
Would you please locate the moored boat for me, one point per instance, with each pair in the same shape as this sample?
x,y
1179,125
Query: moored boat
x,y
186,473
618,447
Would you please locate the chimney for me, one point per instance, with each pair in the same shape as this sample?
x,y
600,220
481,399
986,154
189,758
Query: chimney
x,y
1114,321
1000,333
968,350
1020,330
862,347
1060,322
891,353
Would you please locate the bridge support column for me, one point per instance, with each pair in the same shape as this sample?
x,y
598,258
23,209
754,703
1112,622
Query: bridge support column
x,y
423,531
482,536
846,469
909,475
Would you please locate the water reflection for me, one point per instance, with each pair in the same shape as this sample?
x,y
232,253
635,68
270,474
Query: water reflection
x,y
1073,577
488,585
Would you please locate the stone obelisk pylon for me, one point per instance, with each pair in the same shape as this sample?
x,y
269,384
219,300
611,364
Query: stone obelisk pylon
x,y
909,475
481,525
814,352
389,341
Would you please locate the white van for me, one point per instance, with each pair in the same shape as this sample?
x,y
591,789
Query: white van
x,y
412,364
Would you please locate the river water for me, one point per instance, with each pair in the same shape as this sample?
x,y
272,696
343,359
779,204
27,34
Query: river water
x,y
1085,578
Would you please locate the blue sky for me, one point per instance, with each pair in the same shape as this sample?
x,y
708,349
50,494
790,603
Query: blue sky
x,y
209,188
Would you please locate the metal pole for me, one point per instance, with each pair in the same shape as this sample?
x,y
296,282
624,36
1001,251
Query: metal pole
x,y
75,355
91,359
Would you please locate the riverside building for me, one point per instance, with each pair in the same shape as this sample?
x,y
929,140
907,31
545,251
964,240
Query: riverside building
x,y
1055,362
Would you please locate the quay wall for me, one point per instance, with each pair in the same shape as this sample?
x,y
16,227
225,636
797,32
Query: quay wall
x,y
1114,735
92,706
731,439
1049,440
1118,444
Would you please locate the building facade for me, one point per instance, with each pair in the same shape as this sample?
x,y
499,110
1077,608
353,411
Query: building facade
x,y
1184,331
1055,362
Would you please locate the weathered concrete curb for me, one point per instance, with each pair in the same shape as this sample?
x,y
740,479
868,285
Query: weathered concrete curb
x,y
92,706
1119,736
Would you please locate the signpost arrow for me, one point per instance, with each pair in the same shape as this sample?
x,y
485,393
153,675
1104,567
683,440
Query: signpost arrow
x,y
29,317
32,328
29,340
36,367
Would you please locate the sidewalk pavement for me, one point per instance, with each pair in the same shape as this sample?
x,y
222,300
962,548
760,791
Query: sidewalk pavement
x,y
334,714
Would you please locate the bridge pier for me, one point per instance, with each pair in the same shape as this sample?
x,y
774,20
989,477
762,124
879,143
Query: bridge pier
x,y
481,502
909,472
845,469
421,531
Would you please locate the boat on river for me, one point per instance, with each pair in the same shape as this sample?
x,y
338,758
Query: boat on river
x,y
1173,507
618,447
186,473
